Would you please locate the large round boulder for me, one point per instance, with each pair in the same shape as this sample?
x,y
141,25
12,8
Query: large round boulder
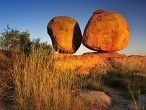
x,y
106,31
65,34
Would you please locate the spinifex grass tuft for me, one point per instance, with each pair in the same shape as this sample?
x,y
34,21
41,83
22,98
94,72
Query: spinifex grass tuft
x,y
38,86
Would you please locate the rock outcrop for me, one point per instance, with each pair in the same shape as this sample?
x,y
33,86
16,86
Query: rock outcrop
x,y
65,34
106,31
81,64
98,62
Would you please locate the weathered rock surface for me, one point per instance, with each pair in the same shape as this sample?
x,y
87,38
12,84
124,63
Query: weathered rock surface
x,y
105,55
81,64
98,62
106,31
97,100
65,34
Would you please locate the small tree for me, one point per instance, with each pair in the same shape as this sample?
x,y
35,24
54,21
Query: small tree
x,y
14,40
9,39
36,44
25,43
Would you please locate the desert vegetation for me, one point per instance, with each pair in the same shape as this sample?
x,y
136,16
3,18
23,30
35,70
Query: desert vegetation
x,y
34,83
12,39
30,81
130,79
38,86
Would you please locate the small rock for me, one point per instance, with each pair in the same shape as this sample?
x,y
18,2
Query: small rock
x,y
97,100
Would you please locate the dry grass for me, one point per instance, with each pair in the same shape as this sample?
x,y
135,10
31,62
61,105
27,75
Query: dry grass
x,y
129,75
38,86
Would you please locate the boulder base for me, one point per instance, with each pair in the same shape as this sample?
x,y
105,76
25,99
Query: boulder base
x,y
99,63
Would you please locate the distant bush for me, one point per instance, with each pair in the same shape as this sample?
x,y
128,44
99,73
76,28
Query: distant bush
x,y
16,41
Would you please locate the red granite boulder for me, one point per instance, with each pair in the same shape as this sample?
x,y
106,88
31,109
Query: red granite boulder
x,y
106,31
65,34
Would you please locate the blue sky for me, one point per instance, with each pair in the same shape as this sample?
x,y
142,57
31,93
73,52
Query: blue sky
x,y
34,15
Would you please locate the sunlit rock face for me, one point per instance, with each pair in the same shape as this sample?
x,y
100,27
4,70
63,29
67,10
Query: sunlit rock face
x,y
65,34
97,100
106,31
99,63
85,64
